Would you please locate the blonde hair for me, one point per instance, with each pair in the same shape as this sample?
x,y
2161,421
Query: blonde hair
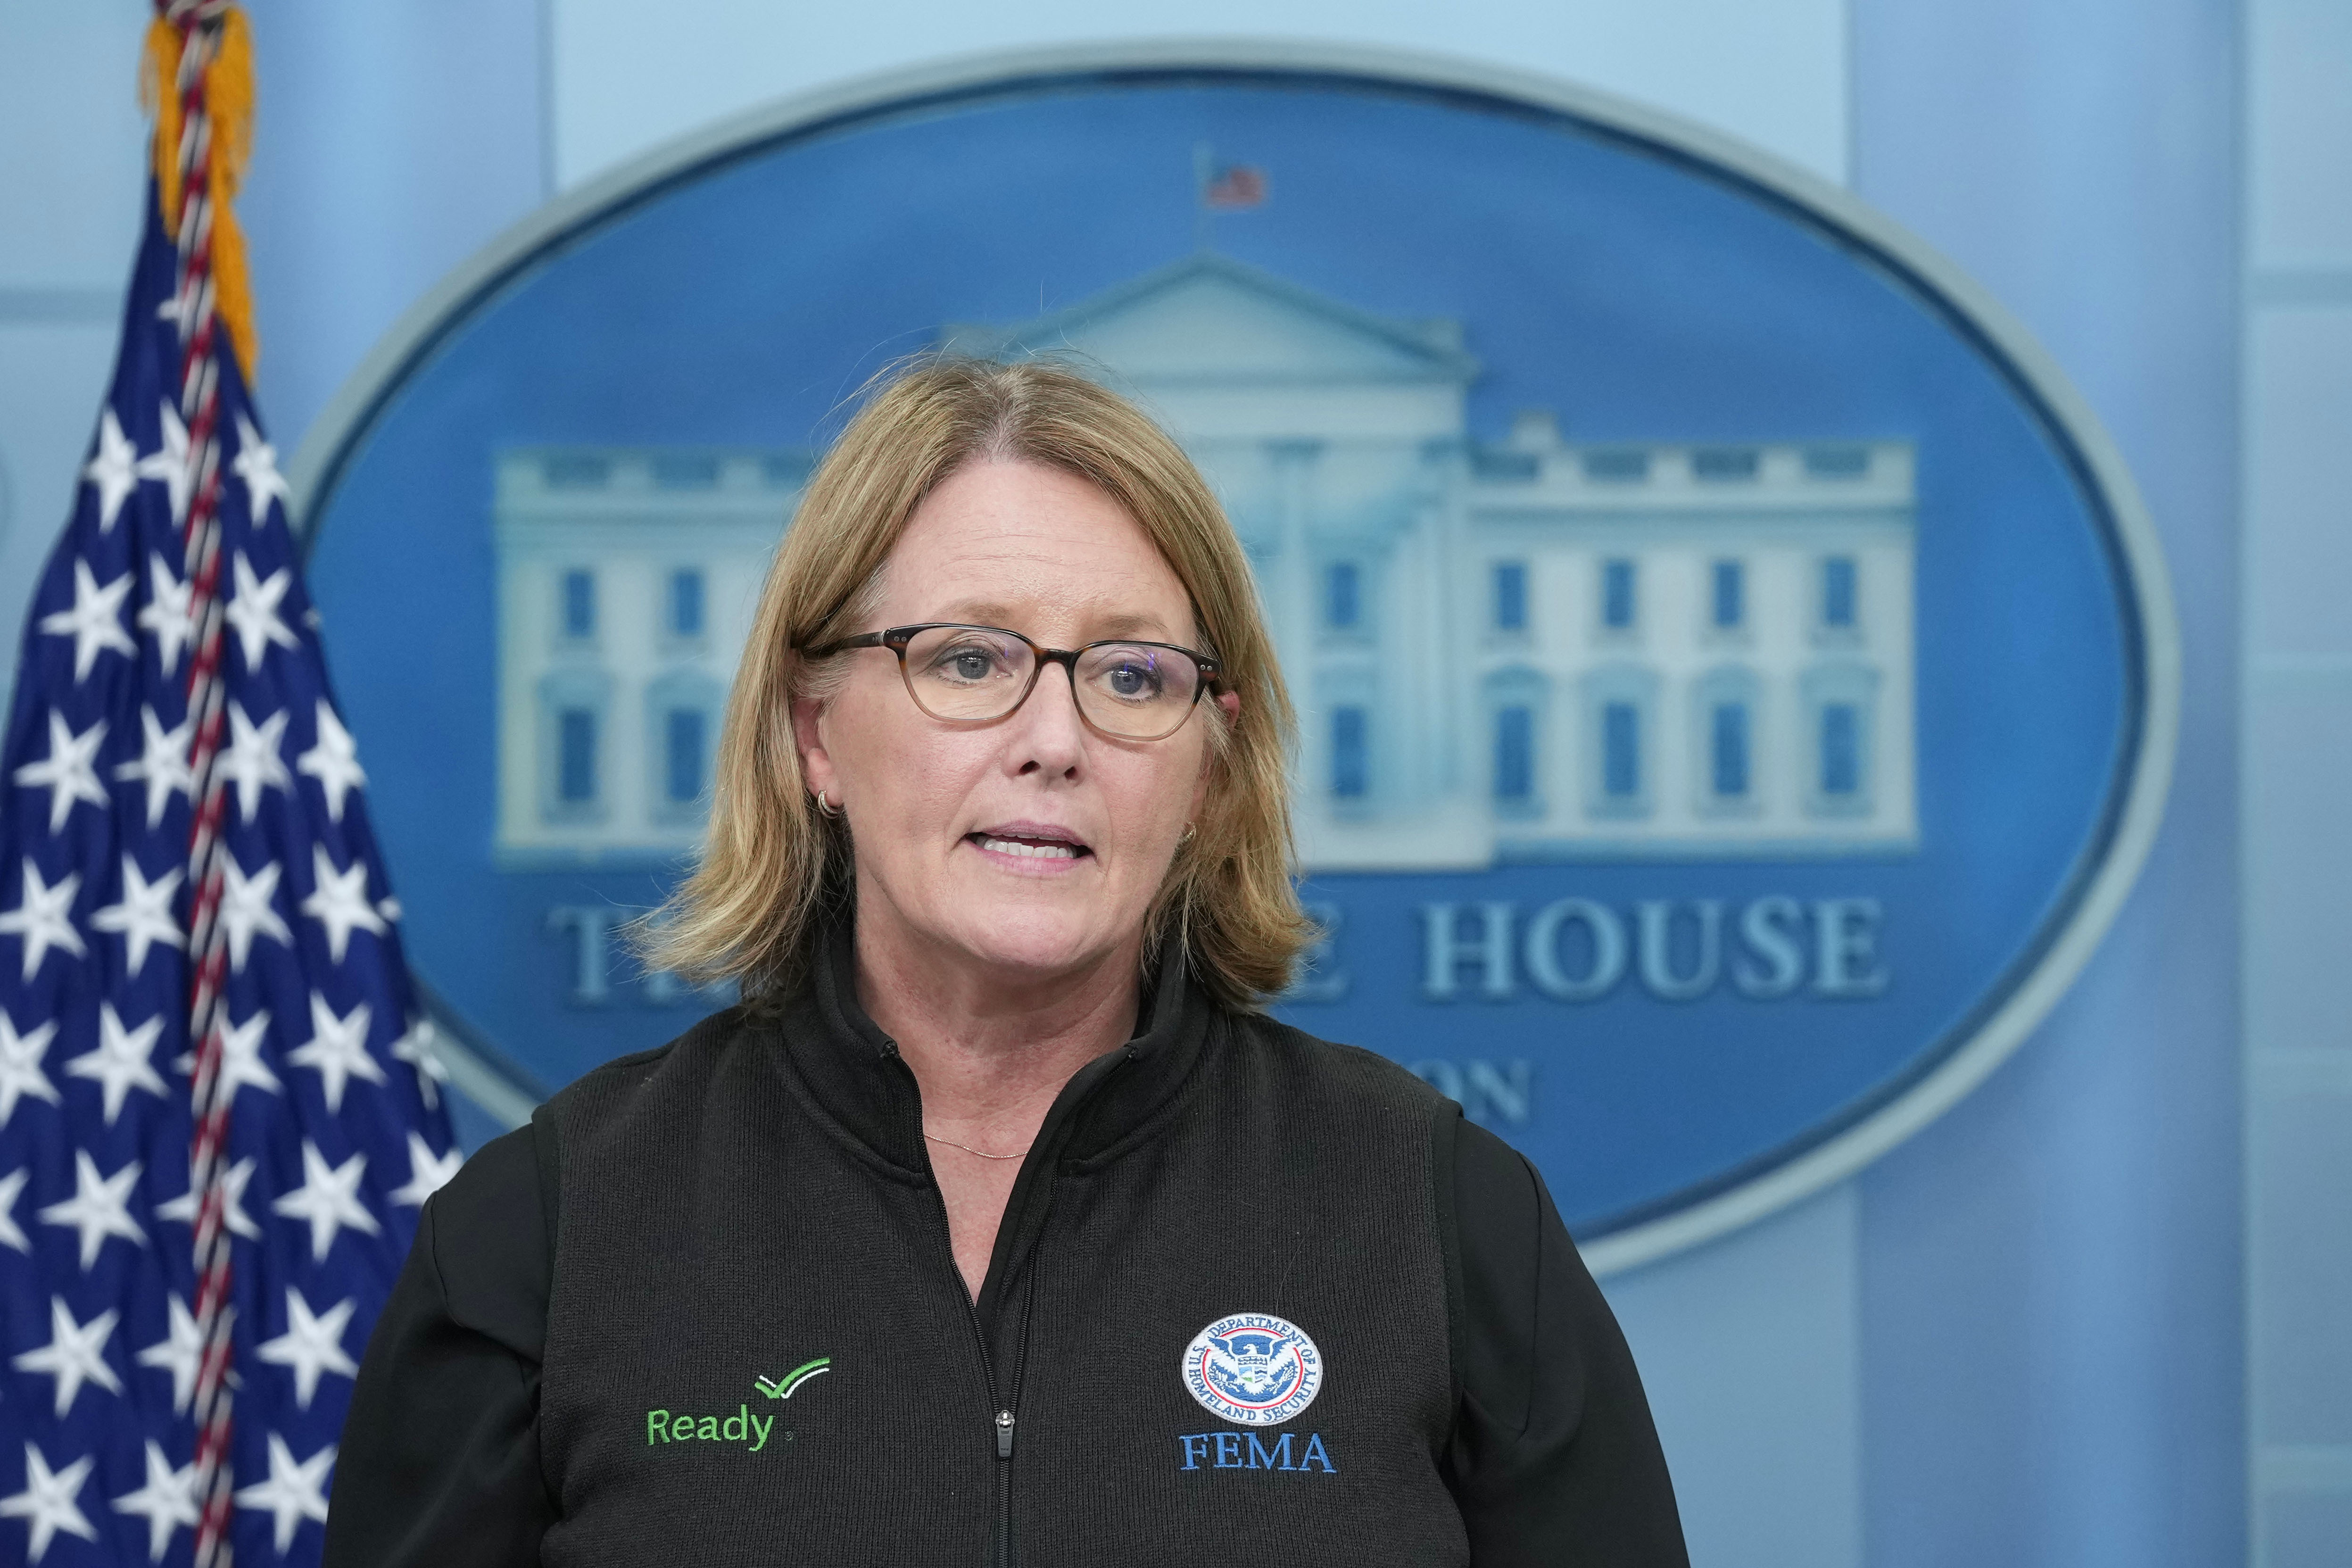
x,y
773,869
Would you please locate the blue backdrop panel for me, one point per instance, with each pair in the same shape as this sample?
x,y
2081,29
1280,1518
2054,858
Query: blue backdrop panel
x,y
1811,905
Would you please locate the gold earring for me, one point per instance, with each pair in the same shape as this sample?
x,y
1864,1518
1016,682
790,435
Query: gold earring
x,y
1186,837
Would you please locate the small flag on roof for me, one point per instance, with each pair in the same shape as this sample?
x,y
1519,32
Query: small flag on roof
x,y
1234,187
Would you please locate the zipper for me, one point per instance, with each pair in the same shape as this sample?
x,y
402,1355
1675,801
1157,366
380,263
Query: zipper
x,y
1004,1489
1002,1423
1006,1555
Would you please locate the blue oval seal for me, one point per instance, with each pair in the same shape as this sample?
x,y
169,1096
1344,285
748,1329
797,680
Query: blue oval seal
x,y
1737,682
1253,1368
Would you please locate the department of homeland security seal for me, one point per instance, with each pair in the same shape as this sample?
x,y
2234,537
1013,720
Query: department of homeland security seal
x,y
1254,1368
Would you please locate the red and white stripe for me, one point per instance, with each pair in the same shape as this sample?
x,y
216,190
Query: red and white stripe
x,y
203,342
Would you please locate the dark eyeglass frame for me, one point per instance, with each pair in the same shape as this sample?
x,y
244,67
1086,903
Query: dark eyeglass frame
x,y
896,638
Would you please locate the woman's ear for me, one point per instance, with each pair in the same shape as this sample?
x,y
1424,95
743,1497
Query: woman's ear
x,y
808,738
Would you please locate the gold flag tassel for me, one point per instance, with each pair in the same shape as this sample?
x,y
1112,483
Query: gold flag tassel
x,y
228,105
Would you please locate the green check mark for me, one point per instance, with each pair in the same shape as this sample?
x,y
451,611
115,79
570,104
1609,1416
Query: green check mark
x,y
783,1387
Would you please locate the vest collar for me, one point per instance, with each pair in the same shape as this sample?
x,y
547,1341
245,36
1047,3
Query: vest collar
x,y
855,1071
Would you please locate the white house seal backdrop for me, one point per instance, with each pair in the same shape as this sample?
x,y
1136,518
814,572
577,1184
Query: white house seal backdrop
x,y
1737,682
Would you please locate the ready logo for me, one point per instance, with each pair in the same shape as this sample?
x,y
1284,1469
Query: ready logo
x,y
783,1388
744,1426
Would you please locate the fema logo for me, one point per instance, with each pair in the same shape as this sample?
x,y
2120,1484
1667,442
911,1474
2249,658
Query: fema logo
x,y
1254,1368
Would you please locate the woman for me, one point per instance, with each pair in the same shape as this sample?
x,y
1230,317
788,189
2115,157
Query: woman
x,y
998,1225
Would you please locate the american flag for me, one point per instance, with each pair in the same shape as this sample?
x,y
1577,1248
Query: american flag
x,y
1233,187
335,1131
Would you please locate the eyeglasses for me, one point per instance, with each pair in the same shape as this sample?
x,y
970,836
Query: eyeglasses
x,y
977,675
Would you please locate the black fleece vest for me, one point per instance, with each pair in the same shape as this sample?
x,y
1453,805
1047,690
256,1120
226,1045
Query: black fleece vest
x,y
759,1349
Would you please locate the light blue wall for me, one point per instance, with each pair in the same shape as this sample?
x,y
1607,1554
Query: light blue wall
x,y
1773,71
2050,1278
393,142
2297,693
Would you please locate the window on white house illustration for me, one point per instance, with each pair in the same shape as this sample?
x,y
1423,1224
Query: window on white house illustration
x,y
572,705
685,603
1351,763
1620,705
1617,596
685,471
1728,601
1840,701
683,751
579,604
575,768
1725,707
1727,750
1621,751
1841,750
577,471
1837,462
1343,607
681,721
1514,754
1510,596
1840,591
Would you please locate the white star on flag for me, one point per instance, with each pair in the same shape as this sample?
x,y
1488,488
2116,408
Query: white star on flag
x,y
427,1173
333,760
119,1063
415,1049
240,1062
181,1353
337,1050
144,917
111,469
252,762
247,908
67,772
341,901
256,465
48,1501
253,613
41,918
233,1216
329,1199
75,1354
170,613
95,622
312,1346
169,463
163,762
97,1208
12,1187
20,1065
167,1502
293,1492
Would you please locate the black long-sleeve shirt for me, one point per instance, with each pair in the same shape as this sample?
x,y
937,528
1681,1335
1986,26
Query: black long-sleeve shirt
x,y
1554,1460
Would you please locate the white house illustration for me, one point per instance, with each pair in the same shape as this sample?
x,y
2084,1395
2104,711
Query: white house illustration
x,y
1524,650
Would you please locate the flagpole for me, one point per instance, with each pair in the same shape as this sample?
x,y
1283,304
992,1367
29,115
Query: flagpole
x,y
1204,169
194,30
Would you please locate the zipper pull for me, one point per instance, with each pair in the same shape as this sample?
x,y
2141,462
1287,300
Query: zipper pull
x,y
1005,1433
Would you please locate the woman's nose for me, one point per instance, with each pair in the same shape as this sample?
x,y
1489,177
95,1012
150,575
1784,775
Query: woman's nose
x,y
1052,734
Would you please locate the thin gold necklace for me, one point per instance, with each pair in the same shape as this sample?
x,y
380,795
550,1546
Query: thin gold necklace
x,y
967,1148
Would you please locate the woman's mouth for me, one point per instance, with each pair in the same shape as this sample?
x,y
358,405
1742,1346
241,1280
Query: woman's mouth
x,y
1024,842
